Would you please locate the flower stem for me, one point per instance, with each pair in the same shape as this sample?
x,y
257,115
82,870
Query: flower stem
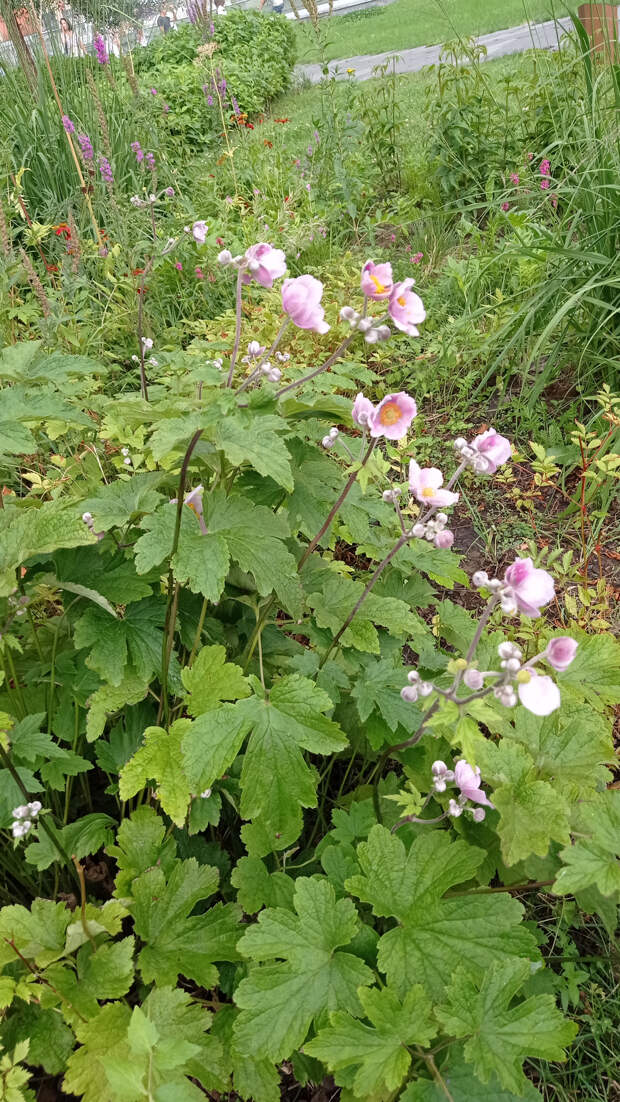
x,y
42,822
173,590
328,363
332,513
235,351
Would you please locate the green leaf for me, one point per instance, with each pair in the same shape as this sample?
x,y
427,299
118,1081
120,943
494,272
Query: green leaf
x,y
39,933
502,1036
532,812
276,782
593,859
29,532
11,794
595,670
159,759
211,680
434,934
110,699
379,1051
174,942
212,743
134,640
280,1000
140,844
81,591
339,595
378,686
82,838
201,561
464,1086
51,1041
102,1039
246,438
572,745
123,500
256,887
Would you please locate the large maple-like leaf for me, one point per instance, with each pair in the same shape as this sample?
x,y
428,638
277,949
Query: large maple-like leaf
x,y
501,1033
378,1051
177,942
312,974
434,933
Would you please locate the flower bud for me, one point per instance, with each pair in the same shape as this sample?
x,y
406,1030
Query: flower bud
x,y
254,348
383,332
444,540
473,679
418,531
224,258
413,677
205,795
274,375
327,442
334,433
87,518
409,693
509,650
478,814
560,652
454,810
364,325
349,314
513,665
460,443
480,578
35,807
425,688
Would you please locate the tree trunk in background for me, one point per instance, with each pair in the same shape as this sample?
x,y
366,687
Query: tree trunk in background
x,y
20,45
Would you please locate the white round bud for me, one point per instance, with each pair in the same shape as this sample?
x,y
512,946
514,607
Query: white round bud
x,y
409,693
327,442
454,810
383,332
512,664
364,325
224,258
480,578
87,518
478,814
425,688
418,531
460,443
275,375
334,432
473,679
413,677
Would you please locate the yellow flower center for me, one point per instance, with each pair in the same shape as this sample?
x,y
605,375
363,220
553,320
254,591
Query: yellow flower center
x,y
401,301
390,413
427,491
380,288
523,677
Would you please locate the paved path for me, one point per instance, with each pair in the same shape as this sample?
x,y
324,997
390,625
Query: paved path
x,y
512,41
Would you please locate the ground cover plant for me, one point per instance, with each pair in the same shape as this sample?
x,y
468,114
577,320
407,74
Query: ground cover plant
x,y
307,657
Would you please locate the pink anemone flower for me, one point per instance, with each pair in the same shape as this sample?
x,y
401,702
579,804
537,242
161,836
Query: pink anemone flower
x,y
405,308
425,484
377,282
199,232
264,264
301,300
392,417
194,501
540,695
494,449
362,410
468,780
531,587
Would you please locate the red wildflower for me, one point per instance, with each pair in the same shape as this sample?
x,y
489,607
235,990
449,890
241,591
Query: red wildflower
x,y
281,120
137,271
62,229
267,143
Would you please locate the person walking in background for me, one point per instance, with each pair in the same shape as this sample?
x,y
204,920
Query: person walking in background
x,y
220,7
164,22
277,6
71,44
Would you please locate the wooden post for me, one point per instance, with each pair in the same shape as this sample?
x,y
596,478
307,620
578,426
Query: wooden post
x,y
600,21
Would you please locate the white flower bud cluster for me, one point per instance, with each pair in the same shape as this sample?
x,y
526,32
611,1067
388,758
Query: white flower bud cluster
x,y
496,586
217,363
441,775
147,344
139,203
430,529
24,817
416,687
272,373
456,808
473,678
328,441
283,357
511,656
470,456
371,333
392,497
226,259
126,457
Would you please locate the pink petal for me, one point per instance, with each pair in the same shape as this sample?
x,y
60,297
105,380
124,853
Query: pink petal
x,y
540,695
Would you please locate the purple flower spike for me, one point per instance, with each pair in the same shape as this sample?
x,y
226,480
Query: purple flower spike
x,y
100,50
86,147
105,169
68,125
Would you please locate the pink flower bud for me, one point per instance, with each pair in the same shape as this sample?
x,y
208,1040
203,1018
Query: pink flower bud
x,y
561,651
473,679
444,540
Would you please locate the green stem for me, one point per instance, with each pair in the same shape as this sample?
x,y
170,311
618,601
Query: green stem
x,y
173,591
41,821
332,513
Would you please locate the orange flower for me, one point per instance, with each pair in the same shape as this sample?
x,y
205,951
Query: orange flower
x,y
62,229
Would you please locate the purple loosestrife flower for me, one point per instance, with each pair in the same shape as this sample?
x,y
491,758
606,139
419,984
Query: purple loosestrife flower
x,y
105,169
150,161
100,50
235,105
169,192
68,125
137,149
86,147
